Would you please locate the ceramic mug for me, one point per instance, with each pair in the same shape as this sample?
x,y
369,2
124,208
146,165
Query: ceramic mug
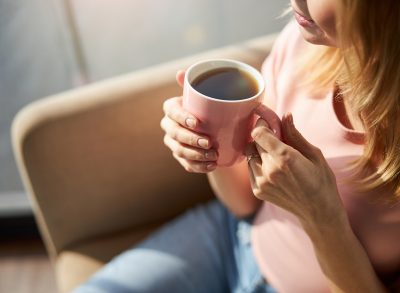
x,y
228,123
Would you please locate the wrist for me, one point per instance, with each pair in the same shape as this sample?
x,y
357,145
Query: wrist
x,y
330,227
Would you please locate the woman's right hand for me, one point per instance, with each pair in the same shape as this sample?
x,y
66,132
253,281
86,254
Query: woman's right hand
x,y
190,148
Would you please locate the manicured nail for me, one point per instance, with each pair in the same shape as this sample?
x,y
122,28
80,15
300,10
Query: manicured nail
x,y
190,122
202,142
211,166
211,155
254,134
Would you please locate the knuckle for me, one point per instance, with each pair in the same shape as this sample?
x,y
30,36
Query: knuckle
x,y
181,137
318,151
283,152
192,140
180,117
285,159
258,193
264,183
198,156
174,135
163,123
285,163
167,105
165,140
189,169
275,175
178,159
180,152
171,114
168,143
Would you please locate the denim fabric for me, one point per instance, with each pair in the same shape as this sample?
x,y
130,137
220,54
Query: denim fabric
x,y
205,250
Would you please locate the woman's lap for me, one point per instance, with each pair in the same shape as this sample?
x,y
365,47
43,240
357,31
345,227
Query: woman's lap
x,y
204,250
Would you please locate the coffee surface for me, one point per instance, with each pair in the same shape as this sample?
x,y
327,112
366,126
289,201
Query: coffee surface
x,y
226,84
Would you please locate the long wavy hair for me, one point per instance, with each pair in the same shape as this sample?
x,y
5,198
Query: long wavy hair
x,y
366,69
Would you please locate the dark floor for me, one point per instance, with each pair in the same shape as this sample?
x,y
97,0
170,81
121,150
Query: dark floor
x,y
24,265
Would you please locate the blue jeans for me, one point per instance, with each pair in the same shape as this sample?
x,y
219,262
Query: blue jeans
x,y
205,250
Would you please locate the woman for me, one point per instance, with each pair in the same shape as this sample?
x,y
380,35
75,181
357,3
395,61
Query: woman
x,y
315,212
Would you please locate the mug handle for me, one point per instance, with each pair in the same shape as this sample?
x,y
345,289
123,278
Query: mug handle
x,y
271,118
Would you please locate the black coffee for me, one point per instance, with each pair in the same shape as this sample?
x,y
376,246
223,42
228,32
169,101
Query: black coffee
x,y
226,84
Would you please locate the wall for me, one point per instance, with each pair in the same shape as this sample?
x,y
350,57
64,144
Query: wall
x,y
48,46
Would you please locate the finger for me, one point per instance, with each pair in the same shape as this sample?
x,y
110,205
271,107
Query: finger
x,y
272,119
263,187
294,138
183,135
254,165
174,110
265,157
195,166
190,153
180,77
253,181
266,139
268,161
253,157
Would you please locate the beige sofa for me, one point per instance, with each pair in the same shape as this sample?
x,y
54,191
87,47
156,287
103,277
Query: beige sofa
x,y
94,165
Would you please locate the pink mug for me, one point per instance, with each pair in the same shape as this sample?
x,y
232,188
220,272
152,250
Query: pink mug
x,y
228,123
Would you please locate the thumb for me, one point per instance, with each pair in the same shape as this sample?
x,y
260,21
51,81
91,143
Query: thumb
x,y
180,77
296,140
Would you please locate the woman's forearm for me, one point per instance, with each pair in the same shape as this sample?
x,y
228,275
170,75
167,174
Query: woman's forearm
x,y
232,186
343,259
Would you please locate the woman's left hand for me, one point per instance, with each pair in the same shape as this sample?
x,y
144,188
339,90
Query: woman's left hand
x,y
293,175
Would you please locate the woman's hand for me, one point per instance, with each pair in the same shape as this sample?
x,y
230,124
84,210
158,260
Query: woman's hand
x,y
293,175
190,148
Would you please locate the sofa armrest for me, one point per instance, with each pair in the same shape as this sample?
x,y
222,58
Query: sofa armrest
x,y
93,161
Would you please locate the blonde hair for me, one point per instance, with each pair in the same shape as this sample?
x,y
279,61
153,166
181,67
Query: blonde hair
x,y
366,69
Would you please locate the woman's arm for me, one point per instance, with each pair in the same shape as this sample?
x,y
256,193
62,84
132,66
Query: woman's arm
x,y
296,177
232,186
342,258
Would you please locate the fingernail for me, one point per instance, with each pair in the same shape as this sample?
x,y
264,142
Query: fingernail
x,y
211,155
211,166
290,119
190,122
202,142
263,122
254,134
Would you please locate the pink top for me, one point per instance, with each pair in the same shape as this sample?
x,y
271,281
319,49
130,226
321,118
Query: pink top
x,y
283,250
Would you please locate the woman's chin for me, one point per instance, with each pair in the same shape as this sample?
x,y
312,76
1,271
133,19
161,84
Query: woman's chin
x,y
316,36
